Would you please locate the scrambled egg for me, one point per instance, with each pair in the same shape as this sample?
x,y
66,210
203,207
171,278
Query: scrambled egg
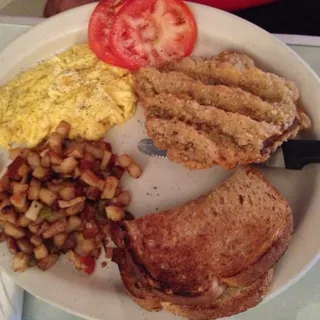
x,y
73,86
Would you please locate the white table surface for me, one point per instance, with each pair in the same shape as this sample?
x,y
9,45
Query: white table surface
x,y
300,302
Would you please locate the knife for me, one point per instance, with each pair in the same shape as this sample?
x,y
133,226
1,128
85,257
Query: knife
x,y
292,155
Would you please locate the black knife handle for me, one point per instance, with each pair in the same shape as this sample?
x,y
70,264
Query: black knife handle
x,y
299,153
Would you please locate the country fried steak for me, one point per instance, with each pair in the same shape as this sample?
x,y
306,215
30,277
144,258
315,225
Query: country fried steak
x,y
218,111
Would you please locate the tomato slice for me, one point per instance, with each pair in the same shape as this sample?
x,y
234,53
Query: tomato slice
x,y
89,264
99,30
151,32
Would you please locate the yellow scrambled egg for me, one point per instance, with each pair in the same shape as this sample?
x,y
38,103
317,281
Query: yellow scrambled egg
x,y
73,86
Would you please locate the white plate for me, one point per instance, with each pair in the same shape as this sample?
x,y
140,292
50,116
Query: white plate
x,y
101,296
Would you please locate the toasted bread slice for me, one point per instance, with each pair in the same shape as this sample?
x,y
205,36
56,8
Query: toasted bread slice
x,y
235,234
232,300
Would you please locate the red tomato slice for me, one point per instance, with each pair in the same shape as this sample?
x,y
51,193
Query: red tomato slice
x,y
89,264
151,32
99,30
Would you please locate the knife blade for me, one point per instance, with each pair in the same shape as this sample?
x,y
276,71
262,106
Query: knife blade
x,y
292,155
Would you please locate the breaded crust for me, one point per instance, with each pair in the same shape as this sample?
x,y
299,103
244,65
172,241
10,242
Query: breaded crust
x,y
239,225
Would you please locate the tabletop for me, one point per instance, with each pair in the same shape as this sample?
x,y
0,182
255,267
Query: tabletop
x,y
300,302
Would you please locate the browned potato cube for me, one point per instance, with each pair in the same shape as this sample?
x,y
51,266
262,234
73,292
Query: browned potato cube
x,y
33,193
96,152
20,262
55,228
35,183
25,246
59,240
55,158
13,231
34,228
19,187
106,160
40,173
40,251
10,214
19,201
23,170
55,142
43,227
18,152
110,188
47,196
23,221
73,224
92,180
68,165
124,160
35,240
33,160
115,213
75,209
66,204
12,245
68,193
63,129
76,150
134,170
123,199
47,262
45,161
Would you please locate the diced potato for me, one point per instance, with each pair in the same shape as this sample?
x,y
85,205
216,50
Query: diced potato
x,y
88,245
60,239
68,165
45,161
110,188
35,240
55,228
134,170
74,259
23,221
124,160
33,211
13,231
96,152
18,152
75,209
23,170
54,187
92,180
41,173
19,201
55,158
12,245
47,196
68,193
70,203
33,193
56,215
55,142
33,160
35,183
10,215
40,251
43,227
47,262
106,160
115,213
63,129
19,187
76,150
123,199
25,246
4,183
20,262
5,203
73,224
76,173
34,228
92,193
